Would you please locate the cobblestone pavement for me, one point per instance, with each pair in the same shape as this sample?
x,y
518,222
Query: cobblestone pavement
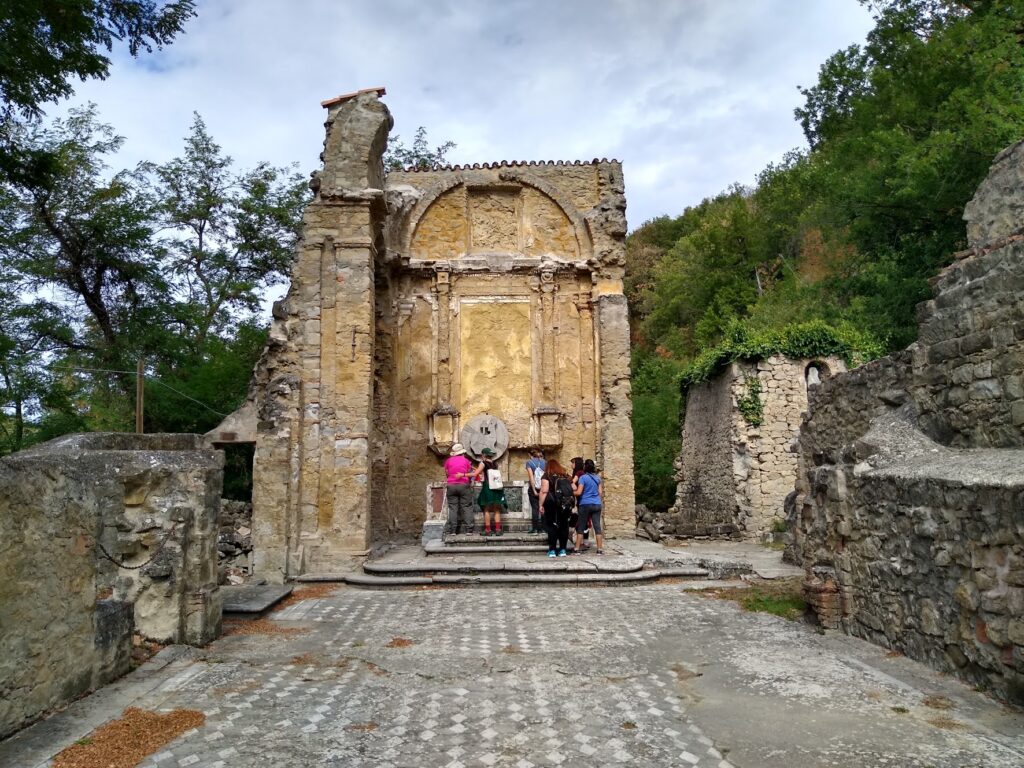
x,y
638,676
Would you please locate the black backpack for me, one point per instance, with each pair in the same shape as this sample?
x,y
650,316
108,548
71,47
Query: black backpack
x,y
563,494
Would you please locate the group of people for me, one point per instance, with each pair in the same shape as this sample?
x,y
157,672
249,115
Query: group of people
x,y
559,499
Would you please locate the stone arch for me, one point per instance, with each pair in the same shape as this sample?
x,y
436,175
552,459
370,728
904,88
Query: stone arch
x,y
584,242
815,372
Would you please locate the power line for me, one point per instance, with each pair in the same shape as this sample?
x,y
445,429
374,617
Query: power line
x,y
147,378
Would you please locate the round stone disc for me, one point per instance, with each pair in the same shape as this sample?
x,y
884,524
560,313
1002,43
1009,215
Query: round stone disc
x,y
485,431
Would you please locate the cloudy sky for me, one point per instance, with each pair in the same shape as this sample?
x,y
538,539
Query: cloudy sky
x,y
691,95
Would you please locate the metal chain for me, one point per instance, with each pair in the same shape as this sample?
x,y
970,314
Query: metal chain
x,y
153,557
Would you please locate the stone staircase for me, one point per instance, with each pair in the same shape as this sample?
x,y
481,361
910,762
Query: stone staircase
x,y
514,559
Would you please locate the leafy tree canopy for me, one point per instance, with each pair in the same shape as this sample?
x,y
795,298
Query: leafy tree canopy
x,y
162,262
44,44
419,156
838,240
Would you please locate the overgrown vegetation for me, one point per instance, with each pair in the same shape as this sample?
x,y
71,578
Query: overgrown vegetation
x,y
749,404
832,248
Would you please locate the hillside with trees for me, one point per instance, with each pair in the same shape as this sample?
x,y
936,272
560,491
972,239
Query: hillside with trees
x,y
833,246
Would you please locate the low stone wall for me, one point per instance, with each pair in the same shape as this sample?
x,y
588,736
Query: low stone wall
x,y
909,514
733,476
56,640
101,534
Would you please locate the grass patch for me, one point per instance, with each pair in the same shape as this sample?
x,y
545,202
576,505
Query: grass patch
x,y
787,606
779,597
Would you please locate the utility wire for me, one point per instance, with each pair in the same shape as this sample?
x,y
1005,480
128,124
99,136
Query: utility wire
x,y
147,378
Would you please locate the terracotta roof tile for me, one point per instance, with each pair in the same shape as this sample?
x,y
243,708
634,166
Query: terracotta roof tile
x,y
379,90
506,164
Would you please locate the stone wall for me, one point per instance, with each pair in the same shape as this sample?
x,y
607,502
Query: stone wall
x,y
908,518
417,303
734,476
66,610
57,641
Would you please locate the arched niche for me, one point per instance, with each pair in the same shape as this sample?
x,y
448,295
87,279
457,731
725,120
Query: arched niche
x,y
816,372
470,215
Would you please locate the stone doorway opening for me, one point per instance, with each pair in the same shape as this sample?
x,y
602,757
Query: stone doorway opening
x,y
234,533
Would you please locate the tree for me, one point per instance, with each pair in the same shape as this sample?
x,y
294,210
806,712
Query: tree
x,y
228,235
87,237
45,44
23,380
418,157
165,263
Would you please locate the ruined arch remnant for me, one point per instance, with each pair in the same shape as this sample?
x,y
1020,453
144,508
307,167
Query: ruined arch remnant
x,y
420,300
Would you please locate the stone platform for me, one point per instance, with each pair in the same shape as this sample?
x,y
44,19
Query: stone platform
x,y
253,598
521,560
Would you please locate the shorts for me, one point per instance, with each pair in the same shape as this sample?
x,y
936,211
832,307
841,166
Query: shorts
x,y
590,514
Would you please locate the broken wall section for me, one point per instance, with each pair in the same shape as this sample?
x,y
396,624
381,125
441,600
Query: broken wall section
x,y
733,475
151,502
910,515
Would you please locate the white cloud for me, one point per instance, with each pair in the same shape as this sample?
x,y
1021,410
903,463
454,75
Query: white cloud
x,y
691,95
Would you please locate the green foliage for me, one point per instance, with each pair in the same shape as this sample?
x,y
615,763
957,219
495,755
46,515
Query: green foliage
x,y
227,235
193,394
84,235
419,156
656,421
46,44
802,340
832,250
790,607
163,263
750,405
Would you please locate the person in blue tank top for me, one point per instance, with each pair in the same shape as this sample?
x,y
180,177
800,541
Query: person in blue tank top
x,y
590,496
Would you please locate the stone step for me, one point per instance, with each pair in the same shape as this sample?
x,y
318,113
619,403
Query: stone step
x,y
253,598
486,549
598,564
508,537
373,581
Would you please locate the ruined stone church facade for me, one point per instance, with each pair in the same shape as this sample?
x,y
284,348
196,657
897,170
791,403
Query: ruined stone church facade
x,y
419,300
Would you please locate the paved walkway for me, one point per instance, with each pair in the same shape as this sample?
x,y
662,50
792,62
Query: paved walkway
x,y
547,676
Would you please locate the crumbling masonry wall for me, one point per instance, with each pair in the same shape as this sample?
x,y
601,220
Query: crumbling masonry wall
x,y
734,476
909,518
421,301
67,612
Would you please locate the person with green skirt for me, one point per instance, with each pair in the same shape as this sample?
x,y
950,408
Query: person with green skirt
x,y
491,500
